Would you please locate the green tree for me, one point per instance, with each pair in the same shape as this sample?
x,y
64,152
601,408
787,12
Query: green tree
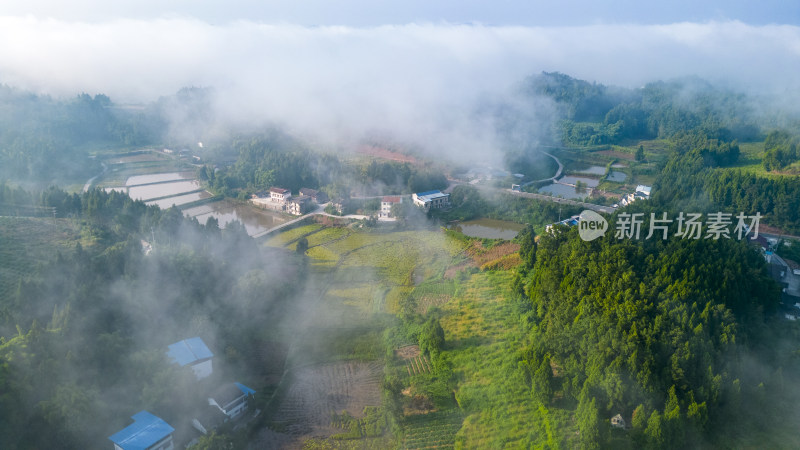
x,y
589,423
656,438
527,246
639,153
542,382
302,246
431,338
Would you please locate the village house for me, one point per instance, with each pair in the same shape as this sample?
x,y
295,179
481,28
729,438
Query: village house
x,y
431,199
279,195
317,196
617,421
228,402
299,205
231,399
338,205
570,222
386,206
642,193
147,432
193,353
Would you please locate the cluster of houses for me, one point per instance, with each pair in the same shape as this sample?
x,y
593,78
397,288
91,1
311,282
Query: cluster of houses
x,y
225,403
280,199
424,200
642,193
785,272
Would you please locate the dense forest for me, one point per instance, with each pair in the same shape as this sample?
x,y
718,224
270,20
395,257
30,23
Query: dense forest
x,y
667,333
87,318
594,114
275,159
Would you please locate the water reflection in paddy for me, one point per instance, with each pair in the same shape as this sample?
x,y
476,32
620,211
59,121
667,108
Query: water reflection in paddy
x,y
158,178
162,189
590,182
562,190
254,220
178,200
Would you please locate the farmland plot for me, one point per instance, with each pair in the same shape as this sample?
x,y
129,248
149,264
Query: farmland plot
x,y
317,392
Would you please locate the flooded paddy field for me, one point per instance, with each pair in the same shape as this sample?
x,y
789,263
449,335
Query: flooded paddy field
x,y
158,178
589,182
255,220
616,176
562,190
179,200
163,189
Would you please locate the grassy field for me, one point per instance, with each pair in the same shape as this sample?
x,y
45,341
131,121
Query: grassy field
x,y
369,273
482,331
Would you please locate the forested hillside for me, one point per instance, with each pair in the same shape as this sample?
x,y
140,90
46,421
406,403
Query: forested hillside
x,y
85,328
667,333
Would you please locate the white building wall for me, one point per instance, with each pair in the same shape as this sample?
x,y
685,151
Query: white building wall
x,y
202,370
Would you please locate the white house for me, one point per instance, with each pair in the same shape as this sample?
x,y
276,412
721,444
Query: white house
x,y
147,432
231,399
193,353
431,199
279,195
299,205
386,206
644,190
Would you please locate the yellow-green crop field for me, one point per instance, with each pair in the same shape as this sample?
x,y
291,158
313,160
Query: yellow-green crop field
x,y
369,270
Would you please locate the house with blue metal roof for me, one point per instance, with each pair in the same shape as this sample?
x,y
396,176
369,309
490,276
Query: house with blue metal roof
x,y
228,402
194,353
431,199
147,432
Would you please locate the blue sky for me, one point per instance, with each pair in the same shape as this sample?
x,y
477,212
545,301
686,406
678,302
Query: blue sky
x,y
365,13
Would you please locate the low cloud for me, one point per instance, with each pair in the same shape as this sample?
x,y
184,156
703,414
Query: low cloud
x,y
419,82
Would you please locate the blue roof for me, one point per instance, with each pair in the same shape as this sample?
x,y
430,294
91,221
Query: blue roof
x,y
431,195
188,351
145,431
245,390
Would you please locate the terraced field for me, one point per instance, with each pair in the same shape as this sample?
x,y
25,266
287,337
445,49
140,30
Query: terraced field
x,y
317,392
432,430
481,326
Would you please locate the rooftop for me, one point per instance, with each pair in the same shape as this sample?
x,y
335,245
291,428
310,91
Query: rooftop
x,y
431,195
391,199
145,431
189,351
229,392
278,190
300,198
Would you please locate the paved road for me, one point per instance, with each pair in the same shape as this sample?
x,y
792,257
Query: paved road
x,y
320,211
554,177
550,198
91,180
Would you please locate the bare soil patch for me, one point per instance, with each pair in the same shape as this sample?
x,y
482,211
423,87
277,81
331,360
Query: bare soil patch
x,y
317,392
383,153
